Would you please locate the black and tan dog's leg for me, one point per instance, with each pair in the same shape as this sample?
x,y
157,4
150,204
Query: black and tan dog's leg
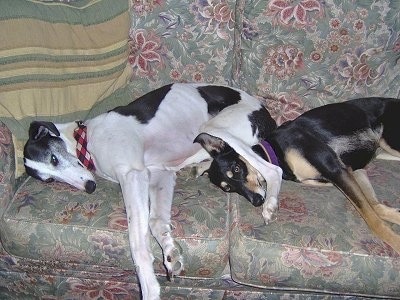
x,y
347,183
386,213
321,159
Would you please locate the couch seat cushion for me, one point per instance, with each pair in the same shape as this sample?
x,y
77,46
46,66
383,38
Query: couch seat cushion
x,y
56,223
317,242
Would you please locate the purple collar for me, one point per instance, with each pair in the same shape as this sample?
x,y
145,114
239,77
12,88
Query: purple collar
x,y
269,151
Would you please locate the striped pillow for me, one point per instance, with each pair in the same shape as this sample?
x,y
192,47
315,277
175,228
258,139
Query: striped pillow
x,y
57,60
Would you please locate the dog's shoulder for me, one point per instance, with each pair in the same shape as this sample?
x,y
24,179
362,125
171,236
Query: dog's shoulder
x,y
219,97
145,107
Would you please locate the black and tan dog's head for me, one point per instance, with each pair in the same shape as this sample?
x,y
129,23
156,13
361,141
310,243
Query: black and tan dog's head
x,y
231,172
47,158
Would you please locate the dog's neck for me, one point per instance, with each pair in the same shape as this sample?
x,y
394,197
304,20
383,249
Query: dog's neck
x,y
67,134
82,152
265,150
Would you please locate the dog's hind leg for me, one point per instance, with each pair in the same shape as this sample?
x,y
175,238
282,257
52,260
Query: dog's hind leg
x,y
135,187
161,194
329,166
381,153
347,183
386,213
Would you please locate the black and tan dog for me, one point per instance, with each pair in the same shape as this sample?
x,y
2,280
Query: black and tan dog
x,y
328,144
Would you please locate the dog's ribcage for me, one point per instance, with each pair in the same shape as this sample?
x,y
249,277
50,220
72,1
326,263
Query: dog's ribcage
x,y
366,139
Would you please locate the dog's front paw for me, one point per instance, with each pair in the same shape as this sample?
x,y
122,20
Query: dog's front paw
x,y
270,206
173,261
200,168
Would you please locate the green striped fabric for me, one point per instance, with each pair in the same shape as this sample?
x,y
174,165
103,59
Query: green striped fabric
x,y
58,60
56,11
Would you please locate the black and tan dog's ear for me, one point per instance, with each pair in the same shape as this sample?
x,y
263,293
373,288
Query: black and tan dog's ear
x,y
213,145
39,129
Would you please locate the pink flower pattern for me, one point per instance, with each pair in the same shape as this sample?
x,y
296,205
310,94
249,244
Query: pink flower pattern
x,y
99,290
311,261
354,69
5,141
145,49
292,209
117,219
141,8
216,17
285,11
285,107
283,61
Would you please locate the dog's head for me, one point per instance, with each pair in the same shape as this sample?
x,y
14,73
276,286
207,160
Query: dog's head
x,y
46,158
231,172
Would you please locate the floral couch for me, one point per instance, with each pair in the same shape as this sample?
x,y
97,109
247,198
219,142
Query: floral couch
x,y
68,60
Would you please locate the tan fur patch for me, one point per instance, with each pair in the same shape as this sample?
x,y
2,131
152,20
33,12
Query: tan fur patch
x,y
300,167
225,186
252,182
388,149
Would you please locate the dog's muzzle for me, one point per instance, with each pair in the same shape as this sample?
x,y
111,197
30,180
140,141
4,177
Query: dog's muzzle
x,y
258,198
90,186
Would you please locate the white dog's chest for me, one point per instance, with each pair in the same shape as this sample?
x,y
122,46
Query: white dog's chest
x,y
137,146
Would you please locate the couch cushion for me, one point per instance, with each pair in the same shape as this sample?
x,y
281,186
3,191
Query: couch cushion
x,y
298,55
54,223
189,41
317,242
59,59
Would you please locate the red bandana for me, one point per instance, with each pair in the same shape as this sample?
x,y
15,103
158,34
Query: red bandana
x,y
81,147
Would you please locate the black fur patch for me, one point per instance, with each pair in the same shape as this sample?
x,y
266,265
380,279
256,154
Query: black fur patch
x,y
145,107
262,121
38,149
259,151
218,97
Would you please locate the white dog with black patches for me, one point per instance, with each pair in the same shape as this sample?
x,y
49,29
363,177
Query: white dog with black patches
x,y
141,146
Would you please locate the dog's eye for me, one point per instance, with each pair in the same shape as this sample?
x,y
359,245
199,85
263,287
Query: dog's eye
x,y
54,160
236,168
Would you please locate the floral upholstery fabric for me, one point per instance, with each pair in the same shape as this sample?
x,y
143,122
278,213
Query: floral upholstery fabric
x,y
189,41
56,223
297,55
58,243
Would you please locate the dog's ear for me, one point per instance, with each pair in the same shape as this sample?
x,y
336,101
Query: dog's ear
x,y
39,129
213,145
205,173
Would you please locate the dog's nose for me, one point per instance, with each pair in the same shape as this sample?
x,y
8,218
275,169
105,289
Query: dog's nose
x,y
258,200
90,186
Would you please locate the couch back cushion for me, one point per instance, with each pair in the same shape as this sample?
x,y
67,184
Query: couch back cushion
x,y
59,59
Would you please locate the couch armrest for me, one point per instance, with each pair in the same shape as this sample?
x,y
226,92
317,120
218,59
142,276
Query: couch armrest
x,y
7,167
